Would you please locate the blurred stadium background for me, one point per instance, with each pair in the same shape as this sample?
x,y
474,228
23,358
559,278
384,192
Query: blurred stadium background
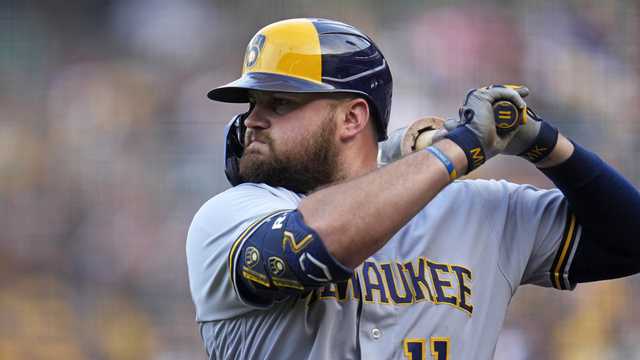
x,y
108,146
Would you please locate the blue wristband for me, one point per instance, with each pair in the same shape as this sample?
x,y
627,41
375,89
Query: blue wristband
x,y
451,170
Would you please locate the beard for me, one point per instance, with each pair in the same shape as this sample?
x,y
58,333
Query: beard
x,y
299,170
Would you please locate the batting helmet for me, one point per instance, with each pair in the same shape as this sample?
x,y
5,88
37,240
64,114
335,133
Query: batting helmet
x,y
307,56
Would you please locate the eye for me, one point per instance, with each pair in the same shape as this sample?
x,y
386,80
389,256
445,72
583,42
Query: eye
x,y
281,106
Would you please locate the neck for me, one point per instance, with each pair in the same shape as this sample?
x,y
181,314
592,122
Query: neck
x,y
358,159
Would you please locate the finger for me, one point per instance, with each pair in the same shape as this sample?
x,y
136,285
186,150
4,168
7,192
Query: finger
x,y
505,93
522,90
451,124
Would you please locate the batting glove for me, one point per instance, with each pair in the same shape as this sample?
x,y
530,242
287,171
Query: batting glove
x,y
534,140
475,130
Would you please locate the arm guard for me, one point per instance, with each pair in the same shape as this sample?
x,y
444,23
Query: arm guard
x,y
278,257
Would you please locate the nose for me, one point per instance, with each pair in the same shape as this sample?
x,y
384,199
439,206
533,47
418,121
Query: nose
x,y
257,119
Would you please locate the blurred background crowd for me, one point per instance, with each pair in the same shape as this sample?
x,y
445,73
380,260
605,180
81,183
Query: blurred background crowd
x,y
108,146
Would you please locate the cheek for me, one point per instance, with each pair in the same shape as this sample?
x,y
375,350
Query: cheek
x,y
295,133
284,146
291,139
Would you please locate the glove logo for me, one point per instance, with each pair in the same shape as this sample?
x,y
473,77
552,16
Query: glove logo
x,y
477,156
251,257
276,266
536,153
253,50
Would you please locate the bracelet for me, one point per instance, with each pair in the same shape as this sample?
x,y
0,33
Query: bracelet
x,y
448,164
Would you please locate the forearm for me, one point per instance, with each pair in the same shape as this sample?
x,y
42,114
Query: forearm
x,y
607,207
357,217
561,152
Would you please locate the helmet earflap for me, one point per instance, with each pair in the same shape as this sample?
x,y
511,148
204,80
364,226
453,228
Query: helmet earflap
x,y
234,147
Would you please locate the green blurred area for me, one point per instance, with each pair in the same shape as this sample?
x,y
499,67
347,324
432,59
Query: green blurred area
x,y
108,146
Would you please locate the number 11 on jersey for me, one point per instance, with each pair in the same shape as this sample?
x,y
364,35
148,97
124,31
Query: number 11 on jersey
x,y
416,349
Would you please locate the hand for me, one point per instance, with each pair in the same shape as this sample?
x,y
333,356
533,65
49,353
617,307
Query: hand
x,y
524,136
475,130
534,140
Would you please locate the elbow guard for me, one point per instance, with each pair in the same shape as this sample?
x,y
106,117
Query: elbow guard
x,y
280,255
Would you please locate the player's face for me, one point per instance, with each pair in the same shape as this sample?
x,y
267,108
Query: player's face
x,y
291,141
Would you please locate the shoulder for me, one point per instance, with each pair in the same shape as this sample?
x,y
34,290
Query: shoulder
x,y
250,193
494,192
245,201
213,235
225,215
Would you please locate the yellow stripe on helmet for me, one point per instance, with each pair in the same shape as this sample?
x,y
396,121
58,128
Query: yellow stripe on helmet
x,y
289,47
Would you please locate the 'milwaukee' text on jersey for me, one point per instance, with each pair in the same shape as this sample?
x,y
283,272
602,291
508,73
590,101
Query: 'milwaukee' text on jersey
x,y
438,289
405,283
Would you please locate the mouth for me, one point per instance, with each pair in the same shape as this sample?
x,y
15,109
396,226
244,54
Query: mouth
x,y
256,146
253,138
254,141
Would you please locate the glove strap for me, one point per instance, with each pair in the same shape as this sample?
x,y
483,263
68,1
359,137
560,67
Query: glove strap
x,y
469,143
543,145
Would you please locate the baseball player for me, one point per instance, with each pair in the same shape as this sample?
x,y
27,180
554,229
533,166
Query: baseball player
x,y
316,253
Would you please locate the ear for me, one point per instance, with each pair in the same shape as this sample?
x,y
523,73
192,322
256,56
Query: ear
x,y
353,119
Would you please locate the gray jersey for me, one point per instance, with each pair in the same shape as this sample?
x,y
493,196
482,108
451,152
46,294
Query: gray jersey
x,y
439,289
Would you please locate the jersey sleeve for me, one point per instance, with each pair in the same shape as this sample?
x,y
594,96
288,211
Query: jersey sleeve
x,y
214,232
537,232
